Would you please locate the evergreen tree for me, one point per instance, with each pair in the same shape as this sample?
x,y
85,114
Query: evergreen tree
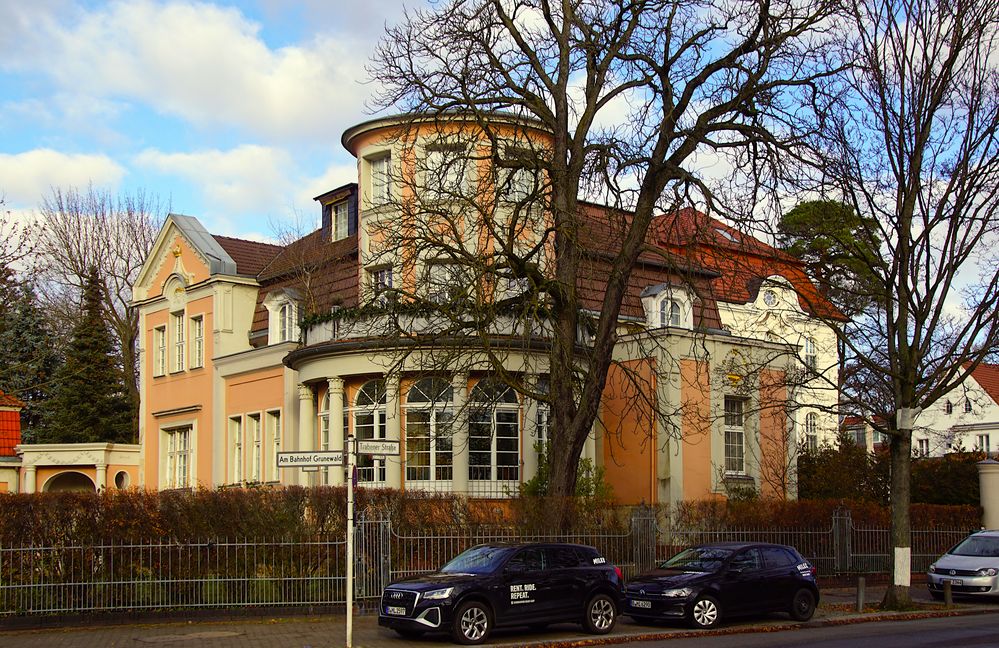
x,y
89,402
29,359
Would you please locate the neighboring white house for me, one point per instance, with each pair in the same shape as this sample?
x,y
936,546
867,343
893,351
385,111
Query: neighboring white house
x,y
966,419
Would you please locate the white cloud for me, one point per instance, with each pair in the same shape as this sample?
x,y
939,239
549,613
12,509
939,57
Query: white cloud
x,y
202,63
26,177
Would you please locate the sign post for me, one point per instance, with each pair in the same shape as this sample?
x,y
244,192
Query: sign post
x,y
350,539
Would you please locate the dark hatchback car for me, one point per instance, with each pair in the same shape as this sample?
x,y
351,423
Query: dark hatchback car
x,y
505,584
701,585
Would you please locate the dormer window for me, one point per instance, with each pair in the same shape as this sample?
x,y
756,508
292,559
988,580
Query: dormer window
x,y
667,305
669,313
286,322
340,221
282,306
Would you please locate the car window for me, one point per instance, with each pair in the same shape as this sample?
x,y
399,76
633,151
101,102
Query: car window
x,y
748,560
698,559
525,560
977,546
561,558
777,557
477,560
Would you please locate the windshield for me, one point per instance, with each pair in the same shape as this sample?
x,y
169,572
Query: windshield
x,y
477,560
698,559
977,546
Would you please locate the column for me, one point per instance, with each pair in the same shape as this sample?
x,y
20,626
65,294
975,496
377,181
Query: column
x,y
29,479
528,438
459,428
336,426
102,477
393,431
306,432
988,481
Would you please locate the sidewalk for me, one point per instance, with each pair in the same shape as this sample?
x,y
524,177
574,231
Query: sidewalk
x,y
313,632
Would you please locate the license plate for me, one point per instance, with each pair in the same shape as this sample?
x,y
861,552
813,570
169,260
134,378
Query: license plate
x,y
395,610
952,581
641,604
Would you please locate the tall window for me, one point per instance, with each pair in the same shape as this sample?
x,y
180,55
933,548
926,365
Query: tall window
x,y
197,341
236,447
369,423
494,432
324,436
286,322
428,431
982,443
949,407
178,466
274,437
445,282
381,283
735,437
967,405
669,313
159,351
256,435
340,221
812,431
811,361
380,179
445,173
923,447
178,341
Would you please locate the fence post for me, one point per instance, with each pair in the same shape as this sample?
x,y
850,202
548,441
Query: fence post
x,y
643,538
842,540
385,541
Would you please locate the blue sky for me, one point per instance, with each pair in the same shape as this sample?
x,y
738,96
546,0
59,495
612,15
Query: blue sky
x,y
231,111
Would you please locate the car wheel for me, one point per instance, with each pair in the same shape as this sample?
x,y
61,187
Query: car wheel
x,y
409,633
473,621
802,605
601,615
706,613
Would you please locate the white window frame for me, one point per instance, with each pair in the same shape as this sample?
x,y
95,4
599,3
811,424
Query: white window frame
x,y
160,351
324,436
178,456
178,326
982,442
370,401
197,341
486,414
273,419
380,177
341,219
444,282
255,435
968,408
923,447
812,431
440,416
287,321
670,313
380,282
236,447
735,435
445,172
811,359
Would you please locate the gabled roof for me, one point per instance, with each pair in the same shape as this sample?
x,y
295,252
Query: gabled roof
x,y
249,257
7,400
219,261
987,376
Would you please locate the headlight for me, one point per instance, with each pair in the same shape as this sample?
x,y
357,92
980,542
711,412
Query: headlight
x,y
683,592
933,569
436,595
988,571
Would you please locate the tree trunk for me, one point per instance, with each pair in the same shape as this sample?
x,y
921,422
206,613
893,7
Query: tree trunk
x,y
897,596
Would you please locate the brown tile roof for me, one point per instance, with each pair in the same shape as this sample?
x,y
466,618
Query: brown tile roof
x,y
7,400
250,256
987,375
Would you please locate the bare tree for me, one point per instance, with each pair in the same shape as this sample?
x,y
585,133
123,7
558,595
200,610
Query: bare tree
x,y
95,229
630,92
16,238
911,146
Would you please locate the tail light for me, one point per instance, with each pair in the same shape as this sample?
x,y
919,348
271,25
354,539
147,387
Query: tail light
x,y
620,576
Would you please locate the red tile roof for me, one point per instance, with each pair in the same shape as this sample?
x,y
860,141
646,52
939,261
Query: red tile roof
x,y
987,375
6,400
10,432
250,256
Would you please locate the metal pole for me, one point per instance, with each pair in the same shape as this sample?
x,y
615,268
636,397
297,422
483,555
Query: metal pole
x,y
350,539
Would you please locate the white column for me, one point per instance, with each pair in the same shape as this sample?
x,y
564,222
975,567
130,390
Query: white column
x,y
528,438
102,476
29,479
988,482
336,425
459,440
393,431
306,432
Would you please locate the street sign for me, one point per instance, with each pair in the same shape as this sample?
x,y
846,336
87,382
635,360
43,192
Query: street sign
x,y
306,459
377,447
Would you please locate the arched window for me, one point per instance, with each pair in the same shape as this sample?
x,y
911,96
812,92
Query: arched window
x,y
369,423
428,431
812,430
669,313
493,432
324,432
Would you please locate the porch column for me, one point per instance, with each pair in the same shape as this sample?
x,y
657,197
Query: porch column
x,y
102,476
393,431
29,479
336,426
306,432
528,456
459,438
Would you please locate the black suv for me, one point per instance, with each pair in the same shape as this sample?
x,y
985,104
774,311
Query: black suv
x,y
506,584
702,584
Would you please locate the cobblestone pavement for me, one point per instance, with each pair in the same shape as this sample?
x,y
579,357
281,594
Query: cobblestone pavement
x,y
326,631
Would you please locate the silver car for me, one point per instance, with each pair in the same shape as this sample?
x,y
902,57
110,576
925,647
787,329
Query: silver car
x,y
971,567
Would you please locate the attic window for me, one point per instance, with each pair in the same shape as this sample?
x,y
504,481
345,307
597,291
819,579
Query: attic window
x,y
282,321
339,221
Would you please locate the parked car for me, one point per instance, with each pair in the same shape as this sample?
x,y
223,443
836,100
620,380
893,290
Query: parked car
x,y
704,584
506,584
971,567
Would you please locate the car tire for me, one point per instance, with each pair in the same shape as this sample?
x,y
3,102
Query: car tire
x,y
473,621
705,613
409,633
600,615
802,605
